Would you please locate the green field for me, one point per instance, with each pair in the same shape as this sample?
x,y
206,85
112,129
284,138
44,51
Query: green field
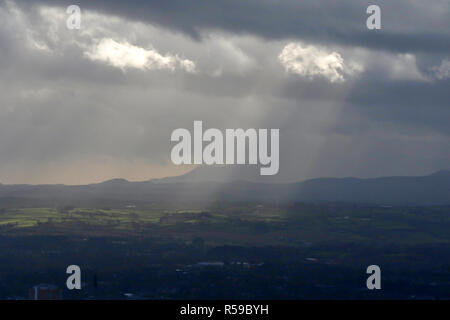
x,y
242,225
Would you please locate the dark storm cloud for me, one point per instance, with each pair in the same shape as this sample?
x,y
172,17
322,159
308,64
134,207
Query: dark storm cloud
x,y
417,104
407,25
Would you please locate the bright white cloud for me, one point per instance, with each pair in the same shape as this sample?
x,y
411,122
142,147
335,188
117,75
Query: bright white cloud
x,y
310,61
125,55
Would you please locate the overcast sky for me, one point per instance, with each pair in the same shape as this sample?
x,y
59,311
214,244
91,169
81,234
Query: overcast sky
x,y
83,106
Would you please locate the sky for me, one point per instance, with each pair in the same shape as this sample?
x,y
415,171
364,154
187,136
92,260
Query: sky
x,y
100,102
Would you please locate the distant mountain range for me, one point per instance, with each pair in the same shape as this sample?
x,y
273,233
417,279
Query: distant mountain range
x,y
211,183
218,173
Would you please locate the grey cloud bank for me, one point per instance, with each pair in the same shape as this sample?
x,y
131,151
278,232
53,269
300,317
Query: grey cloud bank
x,y
71,113
408,25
